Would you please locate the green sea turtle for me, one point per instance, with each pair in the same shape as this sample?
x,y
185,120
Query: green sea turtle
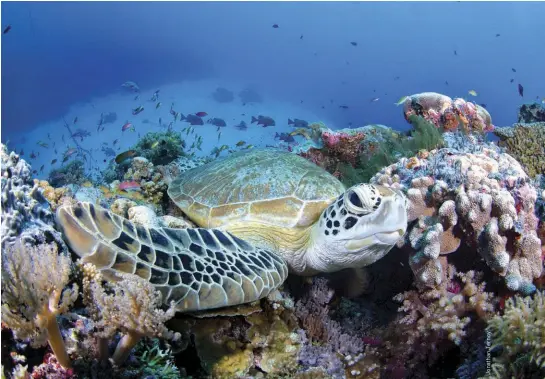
x,y
260,212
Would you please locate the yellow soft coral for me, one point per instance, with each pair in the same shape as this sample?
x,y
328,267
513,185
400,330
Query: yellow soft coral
x,y
33,294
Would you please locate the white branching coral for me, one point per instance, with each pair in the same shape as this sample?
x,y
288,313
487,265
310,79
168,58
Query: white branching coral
x,y
34,293
130,305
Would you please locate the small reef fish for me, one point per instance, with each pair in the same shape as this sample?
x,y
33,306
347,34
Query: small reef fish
x,y
75,120
138,110
219,136
354,43
42,144
129,186
216,122
193,119
127,126
296,123
250,147
472,92
521,90
53,161
80,133
120,158
241,143
68,153
155,144
512,80
33,155
108,151
42,168
201,114
241,126
512,69
402,100
131,86
284,137
7,29
375,99
343,106
275,26
263,120
115,142
158,105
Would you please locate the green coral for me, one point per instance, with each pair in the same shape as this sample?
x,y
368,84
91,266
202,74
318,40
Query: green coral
x,y
519,335
525,143
156,362
161,148
72,173
388,147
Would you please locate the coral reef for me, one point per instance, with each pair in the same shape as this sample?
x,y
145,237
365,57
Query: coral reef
x,y
482,200
518,337
34,292
130,305
25,211
71,173
448,114
525,142
531,113
54,196
432,322
160,148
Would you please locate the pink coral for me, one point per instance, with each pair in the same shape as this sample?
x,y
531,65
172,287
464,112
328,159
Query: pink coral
x,y
448,114
345,146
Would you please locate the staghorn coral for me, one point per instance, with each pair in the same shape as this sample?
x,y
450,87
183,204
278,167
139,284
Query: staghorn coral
x,y
32,296
24,208
131,305
448,114
519,337
482,200
431,322
525,142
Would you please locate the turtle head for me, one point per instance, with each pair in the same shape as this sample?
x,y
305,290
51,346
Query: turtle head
x,y
359,228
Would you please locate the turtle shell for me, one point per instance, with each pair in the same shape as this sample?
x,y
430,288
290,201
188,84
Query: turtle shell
x,y
258,186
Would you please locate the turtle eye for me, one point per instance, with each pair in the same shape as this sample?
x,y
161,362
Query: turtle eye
x,y
354,204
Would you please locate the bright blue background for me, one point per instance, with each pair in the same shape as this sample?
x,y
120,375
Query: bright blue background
x,y
58,54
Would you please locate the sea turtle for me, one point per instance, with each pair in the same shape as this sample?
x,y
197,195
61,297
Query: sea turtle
x,y
260,212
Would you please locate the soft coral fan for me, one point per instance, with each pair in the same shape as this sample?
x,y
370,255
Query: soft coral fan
x,y
131,306
482,199
33,294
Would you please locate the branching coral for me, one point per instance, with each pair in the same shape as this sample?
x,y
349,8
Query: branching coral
x,y
131,305
529,113
434,321
482,200
34,292
24,207
71,173
525,142
519,336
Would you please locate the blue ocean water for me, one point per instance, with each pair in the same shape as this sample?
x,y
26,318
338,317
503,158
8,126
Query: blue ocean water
x,y
69,59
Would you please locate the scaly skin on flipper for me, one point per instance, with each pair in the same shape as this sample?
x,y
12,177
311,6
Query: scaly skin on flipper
x,y
196,268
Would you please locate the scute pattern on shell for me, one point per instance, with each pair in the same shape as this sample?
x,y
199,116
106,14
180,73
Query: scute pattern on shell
x,y
259,185
196,268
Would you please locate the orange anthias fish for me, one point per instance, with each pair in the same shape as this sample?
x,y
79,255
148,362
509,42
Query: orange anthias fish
x,y
127,126
201,114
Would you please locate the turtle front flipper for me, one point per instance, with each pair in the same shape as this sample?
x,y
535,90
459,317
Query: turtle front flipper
x,y
196,268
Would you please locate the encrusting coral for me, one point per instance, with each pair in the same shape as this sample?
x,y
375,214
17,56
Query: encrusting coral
x,y
131,305
519,337
482,200
34,293
525,142
448,114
